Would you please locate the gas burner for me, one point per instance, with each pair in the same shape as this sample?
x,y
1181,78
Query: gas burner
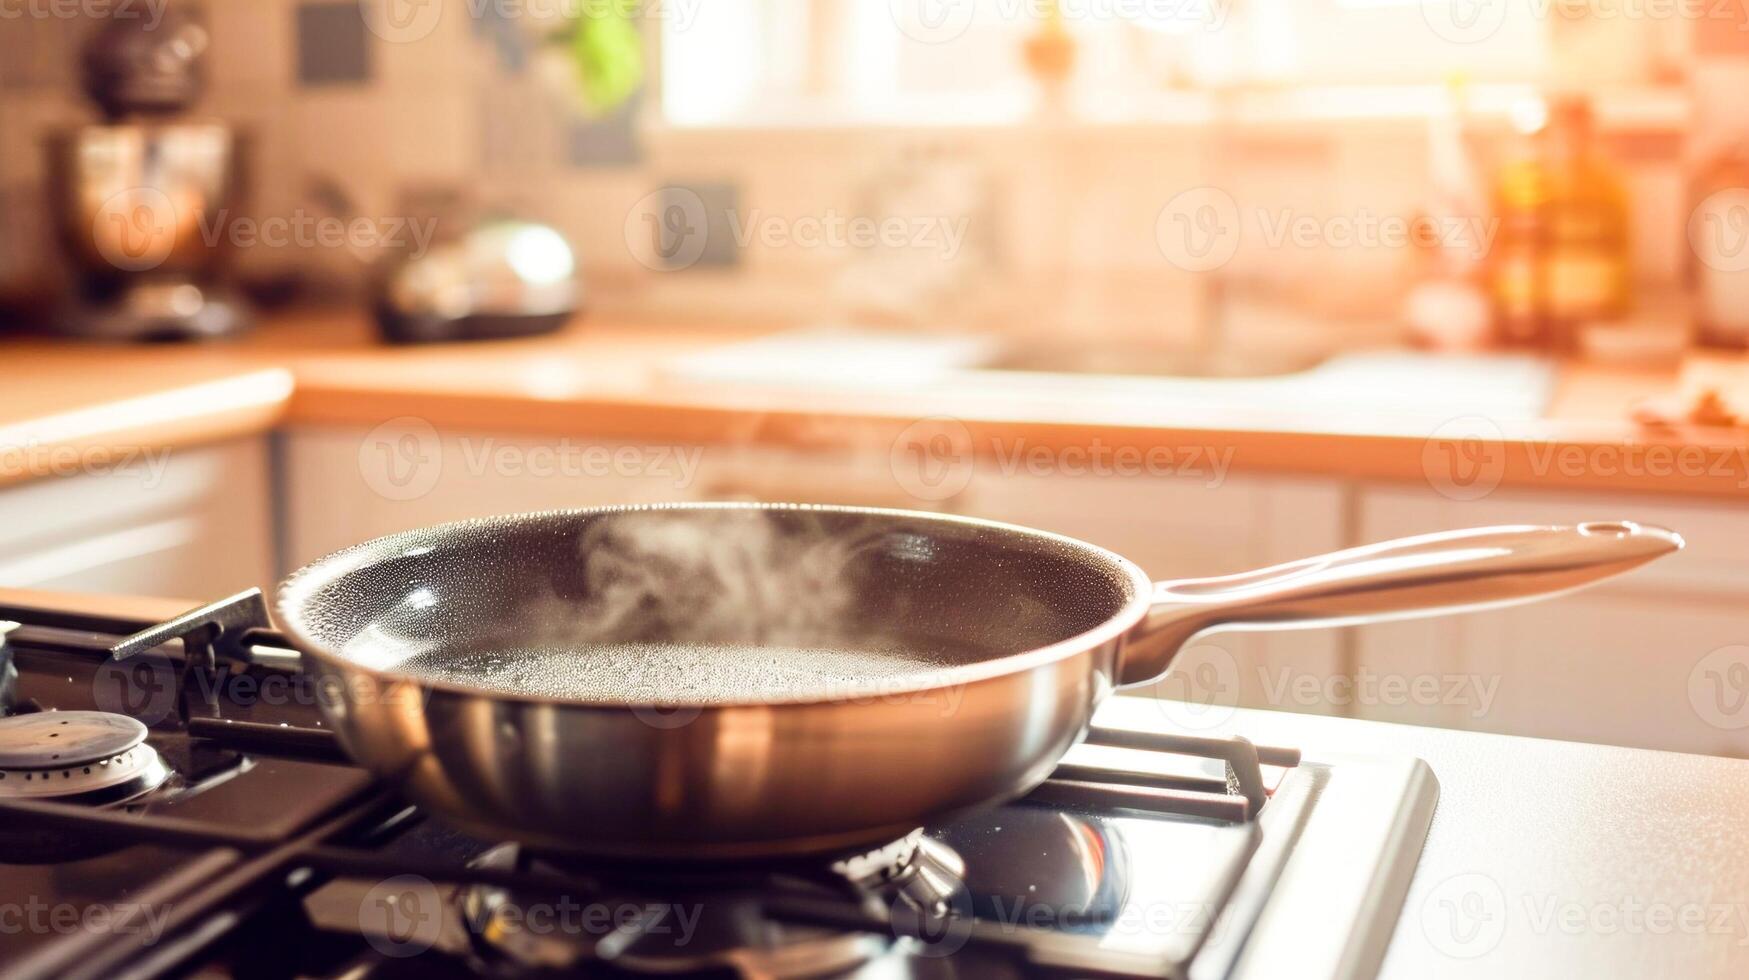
x,y
705,918
89,757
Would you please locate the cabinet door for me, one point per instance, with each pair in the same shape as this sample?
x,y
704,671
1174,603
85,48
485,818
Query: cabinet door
x,y
1191,527
344,486
191,523
1655,659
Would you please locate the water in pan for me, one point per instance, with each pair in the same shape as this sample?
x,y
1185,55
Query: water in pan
x,y
696,673
705,606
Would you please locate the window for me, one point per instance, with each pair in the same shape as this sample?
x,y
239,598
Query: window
x,y
917,61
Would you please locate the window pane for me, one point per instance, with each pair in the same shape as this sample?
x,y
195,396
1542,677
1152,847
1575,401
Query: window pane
x,y
913,60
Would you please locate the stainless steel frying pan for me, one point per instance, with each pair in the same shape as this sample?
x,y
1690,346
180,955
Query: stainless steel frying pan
x,y
993,645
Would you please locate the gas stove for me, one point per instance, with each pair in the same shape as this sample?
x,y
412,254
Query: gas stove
x,y
173,805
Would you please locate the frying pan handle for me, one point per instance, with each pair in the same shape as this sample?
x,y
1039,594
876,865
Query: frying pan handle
x,y
1455,571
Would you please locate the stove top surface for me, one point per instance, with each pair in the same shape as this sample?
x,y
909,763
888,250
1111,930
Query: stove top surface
x,y
260,851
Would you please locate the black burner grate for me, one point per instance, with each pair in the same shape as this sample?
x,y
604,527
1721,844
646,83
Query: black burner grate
x,y
235,871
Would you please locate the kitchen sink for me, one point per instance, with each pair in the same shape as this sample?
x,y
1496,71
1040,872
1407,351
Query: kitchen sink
x,y
850,355
1157,362
1226,385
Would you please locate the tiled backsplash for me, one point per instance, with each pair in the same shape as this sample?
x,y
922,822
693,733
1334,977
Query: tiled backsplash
x,y
320,95
1065,220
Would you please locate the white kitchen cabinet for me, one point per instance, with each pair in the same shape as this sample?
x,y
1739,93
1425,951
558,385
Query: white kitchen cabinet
x,y
1188,527
193,523
348,485
1656,659
343,486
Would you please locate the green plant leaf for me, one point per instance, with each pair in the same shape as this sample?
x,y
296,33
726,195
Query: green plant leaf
x,y
609,53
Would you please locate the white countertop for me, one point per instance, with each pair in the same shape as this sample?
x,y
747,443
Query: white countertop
x,y
1549,859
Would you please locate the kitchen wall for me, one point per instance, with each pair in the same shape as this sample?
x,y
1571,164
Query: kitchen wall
x,y
1060,219
457,113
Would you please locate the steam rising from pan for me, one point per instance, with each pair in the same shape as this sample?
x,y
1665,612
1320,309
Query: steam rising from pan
x,y
710,605
728,576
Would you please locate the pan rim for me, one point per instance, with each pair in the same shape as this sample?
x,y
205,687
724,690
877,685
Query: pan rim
x,y
297,585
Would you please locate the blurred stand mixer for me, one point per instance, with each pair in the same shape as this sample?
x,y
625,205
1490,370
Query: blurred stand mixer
x,y
144,201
